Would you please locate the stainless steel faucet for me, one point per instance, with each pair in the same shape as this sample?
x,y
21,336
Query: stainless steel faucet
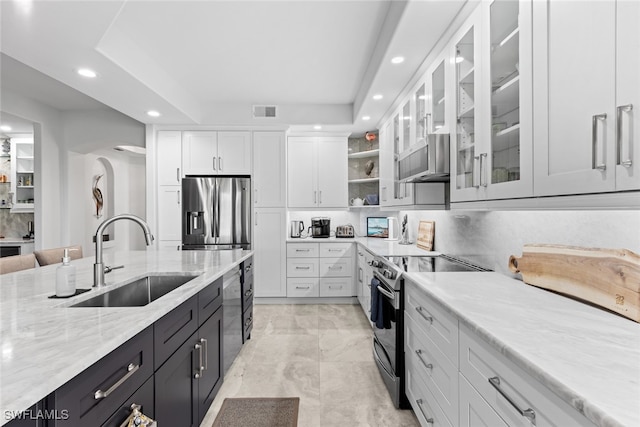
x,y
98,268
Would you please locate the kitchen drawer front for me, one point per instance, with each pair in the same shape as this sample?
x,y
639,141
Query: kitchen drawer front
x,y
440,326
171,330
434,368
479,362
424,405
303,287
118,375
336,287
142,397
302,267
474,410
303,250
336,267
335,250
247,291
247,323
209,300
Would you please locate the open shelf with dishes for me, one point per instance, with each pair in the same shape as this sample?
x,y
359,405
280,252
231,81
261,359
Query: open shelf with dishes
x,y
364,169
22,174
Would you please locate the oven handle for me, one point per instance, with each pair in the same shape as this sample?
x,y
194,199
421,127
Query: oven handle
x,y
383,289
377,357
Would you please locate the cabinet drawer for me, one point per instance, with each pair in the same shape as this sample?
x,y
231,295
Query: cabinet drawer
x,y
336,267
422,401
171,330
247,286
474,410
335,250
143,397
303,287
440,326
303,250
338,287
209,300
434,368
247,323
302,267
479,363
117,375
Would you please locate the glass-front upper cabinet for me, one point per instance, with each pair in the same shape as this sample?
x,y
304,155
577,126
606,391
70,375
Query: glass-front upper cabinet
x,y
420,119
438,99
466,116
406,126
505,91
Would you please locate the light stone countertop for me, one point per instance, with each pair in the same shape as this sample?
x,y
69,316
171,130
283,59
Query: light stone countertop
x,y
12,241
588,357
378,246
45,343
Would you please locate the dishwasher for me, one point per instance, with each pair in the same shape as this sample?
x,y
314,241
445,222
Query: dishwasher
x,y
231,316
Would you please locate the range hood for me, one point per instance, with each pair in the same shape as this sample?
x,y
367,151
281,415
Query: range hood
x,y
426,161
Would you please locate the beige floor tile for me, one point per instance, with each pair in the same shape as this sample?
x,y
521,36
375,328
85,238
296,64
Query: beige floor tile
x,y
340,345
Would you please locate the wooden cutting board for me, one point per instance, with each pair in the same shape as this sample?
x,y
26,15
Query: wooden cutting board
x,y
609,278
426,232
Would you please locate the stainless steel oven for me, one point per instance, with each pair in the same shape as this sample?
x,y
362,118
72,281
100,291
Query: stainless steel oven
x,y
387,308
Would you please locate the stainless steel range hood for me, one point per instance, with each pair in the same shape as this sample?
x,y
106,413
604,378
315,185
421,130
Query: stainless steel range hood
x,y
426,161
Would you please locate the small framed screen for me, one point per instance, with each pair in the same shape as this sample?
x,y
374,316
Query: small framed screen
x,y
377,227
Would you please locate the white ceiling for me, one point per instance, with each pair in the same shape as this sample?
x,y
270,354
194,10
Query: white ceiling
x,y
207,62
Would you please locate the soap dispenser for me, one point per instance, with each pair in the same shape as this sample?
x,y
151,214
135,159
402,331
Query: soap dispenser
x,y
66,277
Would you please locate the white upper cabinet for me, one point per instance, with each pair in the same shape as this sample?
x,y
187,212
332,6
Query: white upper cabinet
x,y
269,169
317,172
216,153
587,93
169,155
170,214
439,97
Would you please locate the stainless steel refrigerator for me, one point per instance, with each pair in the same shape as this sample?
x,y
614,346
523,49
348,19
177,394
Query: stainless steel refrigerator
x,y
216,213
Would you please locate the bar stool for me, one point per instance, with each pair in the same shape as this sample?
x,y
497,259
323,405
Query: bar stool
x,y
17,263
54,256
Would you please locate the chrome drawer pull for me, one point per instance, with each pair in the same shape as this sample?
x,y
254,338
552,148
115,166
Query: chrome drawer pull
x,y
131,369
248,322
303,250
302,287
529,414
429,420
302,268
248,293
198,374
335,268
427,365
419,309
206,352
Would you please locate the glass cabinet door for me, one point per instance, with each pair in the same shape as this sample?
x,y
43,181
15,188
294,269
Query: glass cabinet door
x,y
465,72
396,150
420,119
437,98
406,126
505,92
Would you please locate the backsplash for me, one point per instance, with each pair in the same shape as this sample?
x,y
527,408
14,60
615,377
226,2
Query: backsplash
x,y
14,225
494,236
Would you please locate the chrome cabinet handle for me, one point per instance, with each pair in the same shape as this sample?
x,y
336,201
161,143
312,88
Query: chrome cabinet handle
x,y
429,420
131,369
360,275
303,250
335,287
198,373
255,198
256,219
220,163
334,268
302,287
529,413
206,353
178,196
619,110
248,322
178,174
248,293
302,268
419,309
426,365
384,193
214,163
320,196
315,198
594,141
483,156
476,172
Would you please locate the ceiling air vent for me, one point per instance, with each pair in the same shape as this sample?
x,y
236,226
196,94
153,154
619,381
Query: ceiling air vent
x,y
264,111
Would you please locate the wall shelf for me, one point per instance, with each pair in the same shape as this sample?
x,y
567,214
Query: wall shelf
x,y
363,180
365,154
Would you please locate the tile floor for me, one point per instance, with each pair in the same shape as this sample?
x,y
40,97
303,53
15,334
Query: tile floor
x,y
320,353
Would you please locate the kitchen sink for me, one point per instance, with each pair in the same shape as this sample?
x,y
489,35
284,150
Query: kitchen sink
x,y
138,293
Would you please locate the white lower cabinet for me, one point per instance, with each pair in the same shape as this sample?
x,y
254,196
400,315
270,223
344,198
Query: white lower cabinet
x,y
270,250
363,282
455,377
320,270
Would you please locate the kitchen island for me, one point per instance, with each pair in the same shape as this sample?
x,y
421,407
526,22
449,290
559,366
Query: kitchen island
x,y
46,343
585,359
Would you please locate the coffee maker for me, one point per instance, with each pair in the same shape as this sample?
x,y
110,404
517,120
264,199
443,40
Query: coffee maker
x,y
320,226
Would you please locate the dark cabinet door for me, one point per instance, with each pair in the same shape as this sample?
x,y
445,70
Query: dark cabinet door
x,y
32,417
176,392
210,337
143,397
174,328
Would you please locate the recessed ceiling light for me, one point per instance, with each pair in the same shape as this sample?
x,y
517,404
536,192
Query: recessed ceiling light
x,y
86,72
153,113
317,127
397,60
5,128
366,118
377,97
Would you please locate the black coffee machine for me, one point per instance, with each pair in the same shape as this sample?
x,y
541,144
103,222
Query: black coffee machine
x,y
320,226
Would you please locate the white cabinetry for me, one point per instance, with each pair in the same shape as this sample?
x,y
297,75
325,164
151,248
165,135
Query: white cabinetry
x,y
170,214
365,274
269,169
169,155
317,172
216,153
168,169
270,252
587,96
320,270
22,173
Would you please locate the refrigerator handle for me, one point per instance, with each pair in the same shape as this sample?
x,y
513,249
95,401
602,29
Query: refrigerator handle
x,y
217,214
